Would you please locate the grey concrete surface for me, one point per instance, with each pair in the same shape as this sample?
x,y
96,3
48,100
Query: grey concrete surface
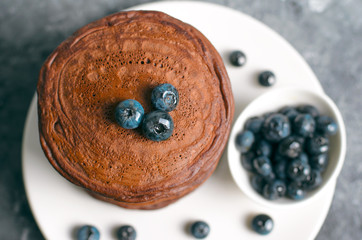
x,y
328,33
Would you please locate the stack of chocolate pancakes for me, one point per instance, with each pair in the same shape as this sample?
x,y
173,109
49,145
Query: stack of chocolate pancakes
x,y
124,56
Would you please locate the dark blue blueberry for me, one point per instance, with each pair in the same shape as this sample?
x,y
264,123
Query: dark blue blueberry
x,y
289,112
262,165
290,147
317,145
200,229
267,78
274,189
303,157
263,148
313,180
165,97
126,233
280,169
319,162
308,109
244,140
88,232
304,125
257,183
247,161
298,170
326,125
276,127
262,224
254,124
295,191
129,114
238,58
157,125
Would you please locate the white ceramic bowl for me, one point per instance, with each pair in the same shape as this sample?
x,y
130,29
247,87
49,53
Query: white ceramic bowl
x,y
273,101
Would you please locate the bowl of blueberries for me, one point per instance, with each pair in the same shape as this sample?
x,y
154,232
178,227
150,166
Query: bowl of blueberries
x,y
286,146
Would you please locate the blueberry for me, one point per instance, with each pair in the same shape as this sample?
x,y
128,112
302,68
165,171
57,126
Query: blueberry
x,y
165,97
247,161
267,78
295,191
317,145
290,147
129,114
257,183
304,125
262,224
289,112
126,232
200,229
313,180
280,169
88,232
326,125
303,157
276,127
254,124
157,125
238,58
298,170
308,109
319,162
262,165
263,148
244,140
274,189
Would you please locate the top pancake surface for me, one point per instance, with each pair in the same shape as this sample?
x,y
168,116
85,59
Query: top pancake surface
x,y
124,56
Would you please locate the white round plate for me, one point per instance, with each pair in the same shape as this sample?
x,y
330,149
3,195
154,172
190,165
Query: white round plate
x,y
60,208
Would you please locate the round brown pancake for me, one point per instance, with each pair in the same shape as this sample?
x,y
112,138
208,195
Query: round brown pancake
x,y
124,56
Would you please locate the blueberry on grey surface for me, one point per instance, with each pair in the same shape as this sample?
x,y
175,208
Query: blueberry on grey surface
x,y
276,127
267,78
200,229
317,145
262,165
289,112
298,170
254,124
257,183
290,147
126,232
247,161
319,162
88,232
238,58
313,180
157,125
262,224
304,125
274,189
295,191
129,114
165,97
308,109
263,148
244,140
326,125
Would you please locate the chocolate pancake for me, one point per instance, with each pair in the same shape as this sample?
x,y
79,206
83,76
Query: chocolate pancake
x,y
124,56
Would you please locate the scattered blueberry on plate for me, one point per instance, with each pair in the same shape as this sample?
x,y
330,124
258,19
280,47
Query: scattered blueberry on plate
x,y
238,58
262,224
129,114
200,229
267,78
165,97
126,232
288,151
157,125
88,232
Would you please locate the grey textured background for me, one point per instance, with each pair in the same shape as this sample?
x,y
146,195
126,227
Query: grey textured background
x,y
328,33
